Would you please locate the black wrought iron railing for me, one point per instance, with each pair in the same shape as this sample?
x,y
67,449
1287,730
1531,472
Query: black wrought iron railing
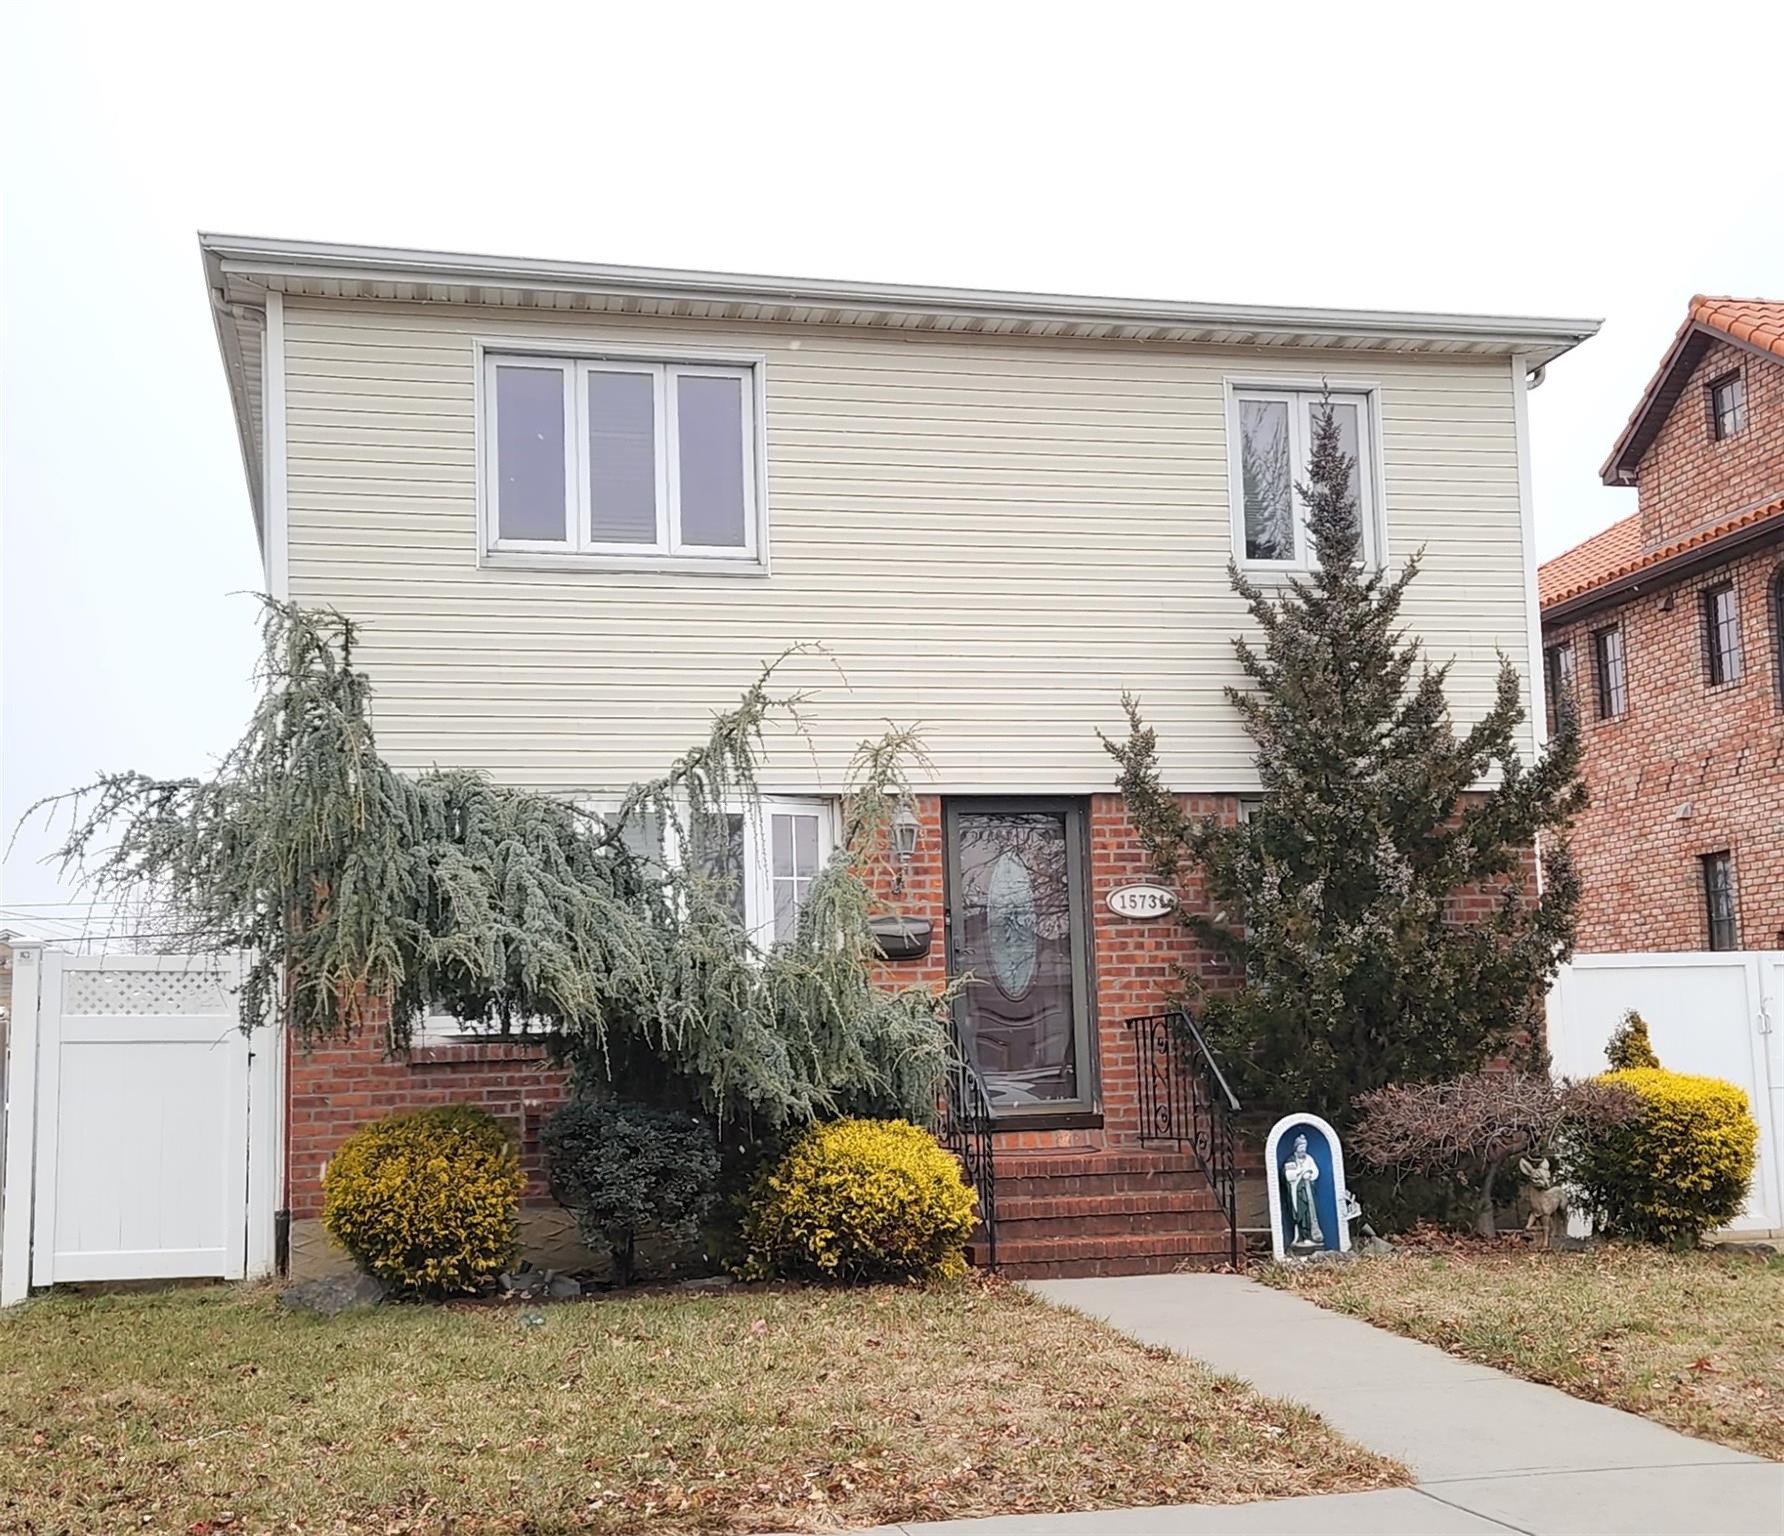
x,y
963,1126
1185,1102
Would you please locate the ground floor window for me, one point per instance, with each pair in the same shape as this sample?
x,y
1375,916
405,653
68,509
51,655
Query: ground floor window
x,y
1018,928
1718,898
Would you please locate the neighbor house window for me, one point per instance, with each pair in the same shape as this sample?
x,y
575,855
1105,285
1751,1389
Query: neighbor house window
x,y
1270,442
1728,406
1778,630
1560,678
1722,634
1718,899
1613,683
621,462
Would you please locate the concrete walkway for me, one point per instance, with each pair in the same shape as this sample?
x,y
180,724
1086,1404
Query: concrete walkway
x,y
1490,1452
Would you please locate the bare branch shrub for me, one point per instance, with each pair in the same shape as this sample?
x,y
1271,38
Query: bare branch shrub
x,y
1468,1126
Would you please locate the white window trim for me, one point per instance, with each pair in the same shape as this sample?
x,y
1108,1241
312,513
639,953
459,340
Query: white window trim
x,y
758,852
579,551
1371,493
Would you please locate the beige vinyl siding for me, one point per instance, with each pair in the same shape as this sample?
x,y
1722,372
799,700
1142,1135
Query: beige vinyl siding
x,y
989,538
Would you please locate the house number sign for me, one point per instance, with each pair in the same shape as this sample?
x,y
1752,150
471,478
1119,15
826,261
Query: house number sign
x,y
1142,900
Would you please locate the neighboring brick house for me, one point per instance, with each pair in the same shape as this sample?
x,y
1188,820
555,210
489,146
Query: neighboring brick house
x,y
573,509
1671,625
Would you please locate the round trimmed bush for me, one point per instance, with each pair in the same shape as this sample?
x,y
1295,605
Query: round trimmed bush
x,y
860,1200
1678,1168
628,1169
427,1202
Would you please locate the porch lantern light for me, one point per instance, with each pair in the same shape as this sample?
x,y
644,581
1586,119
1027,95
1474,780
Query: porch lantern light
x,y
905,831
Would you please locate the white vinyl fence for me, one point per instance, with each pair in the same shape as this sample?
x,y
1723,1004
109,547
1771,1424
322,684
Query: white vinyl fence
x,y
1717,1015
141,1126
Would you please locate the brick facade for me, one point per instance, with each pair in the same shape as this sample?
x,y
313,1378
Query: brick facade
x,y
1085,1198
1689,768
1686,770
1688,478
1077,1199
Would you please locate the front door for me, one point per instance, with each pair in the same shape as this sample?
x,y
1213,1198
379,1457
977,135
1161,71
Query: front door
x,y
1017,927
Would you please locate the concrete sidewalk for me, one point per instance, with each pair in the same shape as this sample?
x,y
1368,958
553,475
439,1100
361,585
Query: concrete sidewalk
x,y
1491,1453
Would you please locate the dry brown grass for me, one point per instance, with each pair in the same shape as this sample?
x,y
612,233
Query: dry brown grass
x,y
1694,1340
211,1411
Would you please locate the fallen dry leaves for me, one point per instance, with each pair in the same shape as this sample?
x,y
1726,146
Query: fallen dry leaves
x,y
210,1412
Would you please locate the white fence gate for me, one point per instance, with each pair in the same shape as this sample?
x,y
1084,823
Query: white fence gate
x,y
142,1123
1717,1015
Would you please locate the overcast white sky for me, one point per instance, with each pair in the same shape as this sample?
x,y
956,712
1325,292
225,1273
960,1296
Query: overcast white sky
x,y
1545,159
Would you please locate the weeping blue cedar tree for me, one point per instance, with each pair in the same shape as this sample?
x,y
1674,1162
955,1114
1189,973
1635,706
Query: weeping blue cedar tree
x,y
365,894
1333,904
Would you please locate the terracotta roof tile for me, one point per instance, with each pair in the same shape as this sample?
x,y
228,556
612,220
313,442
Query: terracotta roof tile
x,y
1586,564
1758,322
1618,552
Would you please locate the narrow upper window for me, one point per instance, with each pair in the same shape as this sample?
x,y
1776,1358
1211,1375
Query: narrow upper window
x,y
1722,634
1728,405
1270,441
622,462
1718,899
1613,684
1778,629
1560,678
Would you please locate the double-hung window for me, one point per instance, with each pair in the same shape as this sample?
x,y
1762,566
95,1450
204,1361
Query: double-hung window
x,y
1722,634
765,859
1718,899
616,461
1728,406
1561,679
1270,436
1613,679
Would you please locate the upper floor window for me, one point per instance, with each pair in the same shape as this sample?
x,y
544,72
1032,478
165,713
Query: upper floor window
x,y
1778,629
1560,678
1722,634
1613,682
1718,899
621,462
1728,405
1270,446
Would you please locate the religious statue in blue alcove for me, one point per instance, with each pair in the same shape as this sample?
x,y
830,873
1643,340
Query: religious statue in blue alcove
x,y
1299,1175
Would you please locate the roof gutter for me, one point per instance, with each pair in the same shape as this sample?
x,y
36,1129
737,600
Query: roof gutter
x,y
253,257
1665,572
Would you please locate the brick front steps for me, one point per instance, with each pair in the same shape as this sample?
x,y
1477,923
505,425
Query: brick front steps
x,y
1129,1212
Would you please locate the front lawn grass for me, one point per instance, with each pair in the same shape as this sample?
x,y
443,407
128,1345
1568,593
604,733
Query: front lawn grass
x,y
1691,1339
211,1411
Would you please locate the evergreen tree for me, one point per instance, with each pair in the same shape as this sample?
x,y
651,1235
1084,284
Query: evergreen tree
x,y
1335,902
363,894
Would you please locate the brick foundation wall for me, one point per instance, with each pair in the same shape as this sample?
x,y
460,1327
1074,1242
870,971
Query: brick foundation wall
x,y
333,1089
1686,770
1688,479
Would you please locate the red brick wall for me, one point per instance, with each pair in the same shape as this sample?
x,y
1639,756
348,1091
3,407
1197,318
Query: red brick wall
x,y
1688,478
1687,769
335,1088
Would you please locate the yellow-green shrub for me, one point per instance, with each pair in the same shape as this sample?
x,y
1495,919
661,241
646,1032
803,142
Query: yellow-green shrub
x,y
1629,1045
1677,1169
428,1202
860,1200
